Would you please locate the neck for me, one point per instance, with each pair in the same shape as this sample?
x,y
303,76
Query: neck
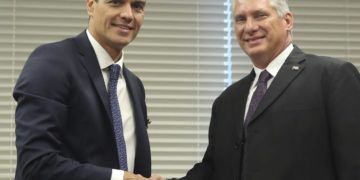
x,y
262,62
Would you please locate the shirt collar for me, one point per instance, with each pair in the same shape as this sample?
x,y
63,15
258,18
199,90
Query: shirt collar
x,y
102,55
275,65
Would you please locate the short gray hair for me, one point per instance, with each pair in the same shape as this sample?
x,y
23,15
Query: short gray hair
x,y
281,6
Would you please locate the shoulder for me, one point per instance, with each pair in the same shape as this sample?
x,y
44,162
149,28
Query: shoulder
x,y
330,66
52,58
235,90
319,62
47,68
332,70
54,50
324,61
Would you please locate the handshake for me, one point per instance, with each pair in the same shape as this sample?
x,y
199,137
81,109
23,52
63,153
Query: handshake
x,y
131,176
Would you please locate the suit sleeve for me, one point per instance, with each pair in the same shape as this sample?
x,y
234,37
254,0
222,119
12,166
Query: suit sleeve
x,y
344,115
42,93
204,169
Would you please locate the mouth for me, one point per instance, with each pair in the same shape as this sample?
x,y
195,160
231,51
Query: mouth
x,y
123,27
252,41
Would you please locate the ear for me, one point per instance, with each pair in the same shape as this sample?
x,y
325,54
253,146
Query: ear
x,y
90,7
289,21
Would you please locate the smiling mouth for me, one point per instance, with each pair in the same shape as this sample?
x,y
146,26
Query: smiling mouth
x,y
254,39
122,26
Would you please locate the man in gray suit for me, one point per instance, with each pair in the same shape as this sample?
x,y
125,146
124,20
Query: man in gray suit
x,y
300,122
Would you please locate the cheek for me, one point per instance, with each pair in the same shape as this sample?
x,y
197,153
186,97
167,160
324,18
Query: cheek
x,y
276,29
139,20
99,18
238,32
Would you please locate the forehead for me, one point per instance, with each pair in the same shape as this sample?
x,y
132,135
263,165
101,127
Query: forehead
x,y
245,6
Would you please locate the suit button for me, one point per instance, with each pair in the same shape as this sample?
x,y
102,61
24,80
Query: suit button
x,y
242,142
236,146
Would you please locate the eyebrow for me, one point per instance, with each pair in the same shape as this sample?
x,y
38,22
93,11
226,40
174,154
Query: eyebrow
x,y
252,13
143,1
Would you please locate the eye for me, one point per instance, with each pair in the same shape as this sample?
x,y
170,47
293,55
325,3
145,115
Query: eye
x,y
240,19
115,2
138,6
261,15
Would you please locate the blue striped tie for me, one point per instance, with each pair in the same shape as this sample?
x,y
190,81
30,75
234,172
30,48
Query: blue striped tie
x,y
116,115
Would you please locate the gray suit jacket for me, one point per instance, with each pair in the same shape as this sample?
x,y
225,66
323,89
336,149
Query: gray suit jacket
x,y
307,126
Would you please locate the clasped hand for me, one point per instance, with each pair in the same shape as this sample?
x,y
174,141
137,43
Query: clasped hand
x,y
131,176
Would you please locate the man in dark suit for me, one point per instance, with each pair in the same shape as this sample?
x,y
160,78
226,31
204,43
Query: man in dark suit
x,y
64,120
304,121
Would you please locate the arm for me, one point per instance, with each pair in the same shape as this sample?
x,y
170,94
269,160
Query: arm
x,y
344,116
203,170
42,93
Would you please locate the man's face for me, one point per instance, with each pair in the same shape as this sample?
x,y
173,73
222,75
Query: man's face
x,y
260,31
115,23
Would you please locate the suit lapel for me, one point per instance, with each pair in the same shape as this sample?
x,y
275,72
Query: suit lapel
x,y
238,104
287,74
91,64
134,93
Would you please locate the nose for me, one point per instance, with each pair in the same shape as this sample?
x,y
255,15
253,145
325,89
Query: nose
x,y
126,12
251,26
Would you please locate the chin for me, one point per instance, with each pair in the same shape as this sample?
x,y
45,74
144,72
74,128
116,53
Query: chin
x,y
255,49
253,52
122,40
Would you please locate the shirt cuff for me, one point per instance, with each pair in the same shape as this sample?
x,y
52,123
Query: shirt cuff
x,y
117,174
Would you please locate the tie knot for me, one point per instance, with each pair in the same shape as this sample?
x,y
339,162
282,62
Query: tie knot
x,y
114,70
264,76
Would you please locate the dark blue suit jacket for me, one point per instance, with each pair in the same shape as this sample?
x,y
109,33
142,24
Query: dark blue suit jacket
x,y
63,122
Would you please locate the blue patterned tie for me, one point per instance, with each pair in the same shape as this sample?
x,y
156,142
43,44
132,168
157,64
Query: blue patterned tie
x,y
116,115
258,95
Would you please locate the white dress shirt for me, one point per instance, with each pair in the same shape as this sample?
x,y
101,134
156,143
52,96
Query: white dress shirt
x,y
273,68
125,103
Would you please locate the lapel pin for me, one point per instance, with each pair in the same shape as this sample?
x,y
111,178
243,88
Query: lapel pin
x,y
295,68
